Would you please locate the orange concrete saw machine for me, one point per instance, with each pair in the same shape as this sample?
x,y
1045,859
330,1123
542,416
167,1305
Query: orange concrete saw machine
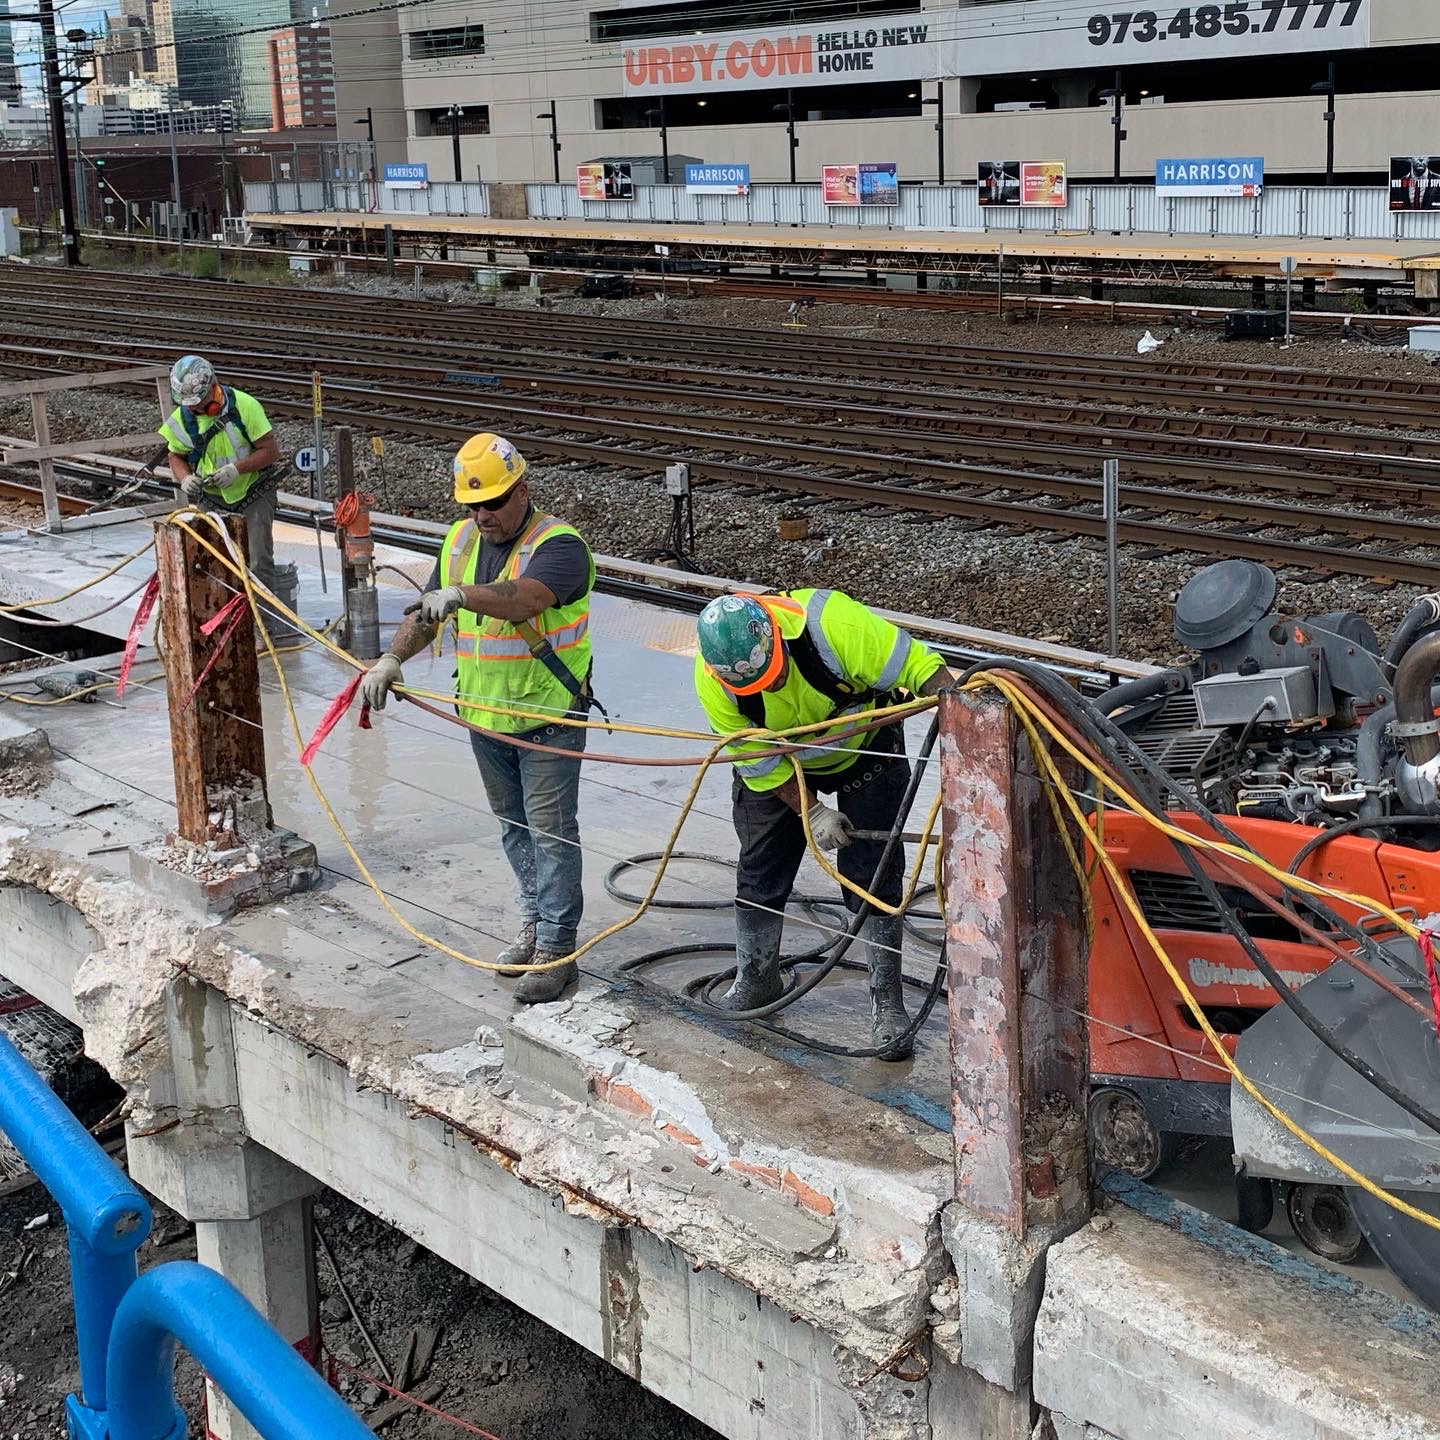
x,y
1319,750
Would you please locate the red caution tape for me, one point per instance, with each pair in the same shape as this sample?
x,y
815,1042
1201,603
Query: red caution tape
x,y
1427,949
143,610
331,718
235,613
224,613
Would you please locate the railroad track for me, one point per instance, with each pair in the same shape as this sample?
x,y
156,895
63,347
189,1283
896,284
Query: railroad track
x,y
882,457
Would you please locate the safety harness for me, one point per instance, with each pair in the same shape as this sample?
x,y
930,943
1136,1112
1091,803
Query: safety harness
x,y
262,484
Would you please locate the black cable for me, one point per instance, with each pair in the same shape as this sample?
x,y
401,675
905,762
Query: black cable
x,y
827,957
1113,742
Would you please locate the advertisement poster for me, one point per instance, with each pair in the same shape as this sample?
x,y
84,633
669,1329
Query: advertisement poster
x,y
877,183
999,182
840,184
598,181
717,179
1415,182
932,44
1179,179
1042,184
407,177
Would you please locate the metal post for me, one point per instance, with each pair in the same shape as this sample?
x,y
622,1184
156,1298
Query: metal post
x,y
455,112
790,130
39,207
555,139
175,186
1111,495
1330,127
940,131
217,740
1016,957
664,145
317,475
1118,118
81,208
50,52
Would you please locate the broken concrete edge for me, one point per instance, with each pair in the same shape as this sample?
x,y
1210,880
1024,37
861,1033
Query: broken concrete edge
x,y
865,1302
23,745
1156,1322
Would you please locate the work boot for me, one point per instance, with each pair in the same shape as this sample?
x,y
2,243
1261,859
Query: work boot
x,y
513,959
537,986
757,960
883,935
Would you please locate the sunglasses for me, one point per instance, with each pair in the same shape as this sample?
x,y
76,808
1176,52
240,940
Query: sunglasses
x,y
492,505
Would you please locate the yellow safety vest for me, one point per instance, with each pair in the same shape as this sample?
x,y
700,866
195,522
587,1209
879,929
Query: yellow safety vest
x,y
495,666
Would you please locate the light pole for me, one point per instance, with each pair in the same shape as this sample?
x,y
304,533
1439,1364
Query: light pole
x,y
551,116
788,111
938,101
454,114
369,123
659,118
1326,88
1117,95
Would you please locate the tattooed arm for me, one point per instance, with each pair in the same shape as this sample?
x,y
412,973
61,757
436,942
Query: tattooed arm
x,y
512,600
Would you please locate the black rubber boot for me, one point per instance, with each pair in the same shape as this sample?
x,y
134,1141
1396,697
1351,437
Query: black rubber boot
x,y
535,987
883,935
518,953
757,960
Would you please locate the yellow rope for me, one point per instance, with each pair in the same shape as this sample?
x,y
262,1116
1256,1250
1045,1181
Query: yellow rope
x,y
1022,705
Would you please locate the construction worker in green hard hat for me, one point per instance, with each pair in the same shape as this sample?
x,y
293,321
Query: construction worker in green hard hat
x,y
516,582
798,658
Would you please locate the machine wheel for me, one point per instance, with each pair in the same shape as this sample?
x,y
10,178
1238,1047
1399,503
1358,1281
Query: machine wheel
x,y
1123,1136
1254,1203
1321,1216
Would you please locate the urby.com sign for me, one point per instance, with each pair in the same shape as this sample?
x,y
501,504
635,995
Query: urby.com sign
x,y
407,177
717,179
1177,178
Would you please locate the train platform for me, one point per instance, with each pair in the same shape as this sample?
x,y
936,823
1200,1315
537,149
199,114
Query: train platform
x,y
765,1234
1119,256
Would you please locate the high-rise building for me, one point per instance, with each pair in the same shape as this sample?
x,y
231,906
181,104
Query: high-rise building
x,y
9,75
302,77
216,62
137,46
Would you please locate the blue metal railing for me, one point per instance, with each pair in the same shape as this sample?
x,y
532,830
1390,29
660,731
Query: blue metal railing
x,y
126,1328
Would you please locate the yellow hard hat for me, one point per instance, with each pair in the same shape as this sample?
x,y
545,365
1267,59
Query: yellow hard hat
x,y
485,468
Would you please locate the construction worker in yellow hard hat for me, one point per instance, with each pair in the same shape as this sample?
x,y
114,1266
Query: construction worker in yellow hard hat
x,y
517,584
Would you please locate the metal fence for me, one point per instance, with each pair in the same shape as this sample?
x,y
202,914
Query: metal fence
x,y
1279,212
126,1327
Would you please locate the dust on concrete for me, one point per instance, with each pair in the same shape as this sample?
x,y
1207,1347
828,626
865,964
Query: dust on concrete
x,y
501,1369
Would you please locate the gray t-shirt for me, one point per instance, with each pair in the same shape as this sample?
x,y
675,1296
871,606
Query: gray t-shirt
x,y
562,565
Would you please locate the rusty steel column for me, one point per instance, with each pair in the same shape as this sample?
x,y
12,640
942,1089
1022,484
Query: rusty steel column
x,y
216,741
1015,931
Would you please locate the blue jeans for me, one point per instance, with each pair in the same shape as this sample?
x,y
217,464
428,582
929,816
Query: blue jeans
x,y
535,797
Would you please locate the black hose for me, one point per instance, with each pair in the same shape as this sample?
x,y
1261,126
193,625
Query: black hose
x,y
1423,614
826,957
1115,744
1147,687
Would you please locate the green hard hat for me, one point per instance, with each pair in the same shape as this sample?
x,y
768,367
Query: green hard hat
x,y
738,642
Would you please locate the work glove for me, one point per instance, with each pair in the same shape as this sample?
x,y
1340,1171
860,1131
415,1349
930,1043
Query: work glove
x,y
379,679
830,828
437,606
193,486
227,474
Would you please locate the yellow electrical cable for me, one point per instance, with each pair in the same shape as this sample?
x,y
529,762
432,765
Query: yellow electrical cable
x,y
1022,704
243,575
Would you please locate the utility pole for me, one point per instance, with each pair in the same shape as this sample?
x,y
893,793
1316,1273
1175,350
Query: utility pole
x,y
1117,95
175,186
664,143
50,59
81,208
939,103
454,114
1327,88
790,130
554,120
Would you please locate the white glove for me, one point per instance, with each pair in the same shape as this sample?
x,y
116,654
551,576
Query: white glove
x,y
193,486
379,678
227,474
437,606
830,828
